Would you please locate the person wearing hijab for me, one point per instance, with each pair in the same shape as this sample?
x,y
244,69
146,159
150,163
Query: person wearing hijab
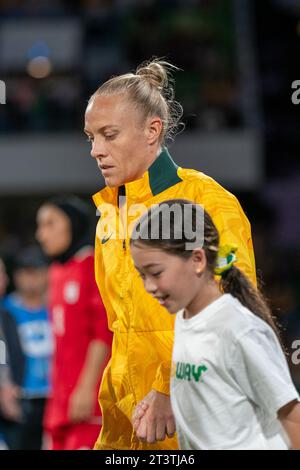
x,y
81,336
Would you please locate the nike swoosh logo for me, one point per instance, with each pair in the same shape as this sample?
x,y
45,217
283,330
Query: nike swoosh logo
x,y
104,240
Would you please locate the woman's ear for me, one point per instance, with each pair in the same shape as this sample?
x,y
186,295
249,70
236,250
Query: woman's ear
x,y
154,129
199,260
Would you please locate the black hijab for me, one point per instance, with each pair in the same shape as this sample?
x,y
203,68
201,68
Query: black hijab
x,y
78,214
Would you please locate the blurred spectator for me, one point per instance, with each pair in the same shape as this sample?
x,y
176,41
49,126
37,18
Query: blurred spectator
x,y
9,408
82,339
3,279
27,334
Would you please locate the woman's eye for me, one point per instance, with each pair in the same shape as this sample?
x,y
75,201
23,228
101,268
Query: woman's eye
x,y
156,274
110,136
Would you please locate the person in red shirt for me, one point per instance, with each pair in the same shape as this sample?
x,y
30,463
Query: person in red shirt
x,y
82,338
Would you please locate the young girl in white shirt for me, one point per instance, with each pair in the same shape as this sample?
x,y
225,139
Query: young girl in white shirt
x,y
230,385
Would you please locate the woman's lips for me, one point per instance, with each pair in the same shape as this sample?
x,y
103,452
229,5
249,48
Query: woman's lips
x,y
105,169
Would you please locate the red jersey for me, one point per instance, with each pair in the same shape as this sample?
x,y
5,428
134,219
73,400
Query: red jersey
x,y
78,317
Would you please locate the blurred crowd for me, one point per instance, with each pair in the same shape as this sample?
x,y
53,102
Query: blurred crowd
x,y
116,35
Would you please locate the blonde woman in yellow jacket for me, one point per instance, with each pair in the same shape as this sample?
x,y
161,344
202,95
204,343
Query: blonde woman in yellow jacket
x,y
127,121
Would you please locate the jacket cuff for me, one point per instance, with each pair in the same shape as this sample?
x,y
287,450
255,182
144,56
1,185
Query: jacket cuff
x,y
162,379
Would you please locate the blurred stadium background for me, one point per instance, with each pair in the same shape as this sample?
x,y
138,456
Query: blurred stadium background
x,y
238,60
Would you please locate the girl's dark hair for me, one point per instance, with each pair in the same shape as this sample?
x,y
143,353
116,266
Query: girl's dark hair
x,y
163,219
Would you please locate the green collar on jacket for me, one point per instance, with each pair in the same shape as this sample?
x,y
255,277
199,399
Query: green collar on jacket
x,y
161,175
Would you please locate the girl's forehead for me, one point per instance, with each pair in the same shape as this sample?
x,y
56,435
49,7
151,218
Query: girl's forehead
x,y
147,255
140,248
146,251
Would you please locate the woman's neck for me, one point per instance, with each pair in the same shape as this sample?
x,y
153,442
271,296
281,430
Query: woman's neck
x,y
148,161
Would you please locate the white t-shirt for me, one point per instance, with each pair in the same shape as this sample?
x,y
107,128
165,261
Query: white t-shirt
x,y
229,379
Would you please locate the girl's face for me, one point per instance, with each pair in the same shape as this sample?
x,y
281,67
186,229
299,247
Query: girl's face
x,y
172,280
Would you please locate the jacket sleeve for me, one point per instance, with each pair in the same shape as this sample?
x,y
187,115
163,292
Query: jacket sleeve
x,y
98,328
162,379
231,222
101,275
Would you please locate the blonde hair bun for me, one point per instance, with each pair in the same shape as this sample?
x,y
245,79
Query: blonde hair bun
x,y
155,73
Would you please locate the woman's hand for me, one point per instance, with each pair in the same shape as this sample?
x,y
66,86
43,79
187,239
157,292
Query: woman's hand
x,y
153,418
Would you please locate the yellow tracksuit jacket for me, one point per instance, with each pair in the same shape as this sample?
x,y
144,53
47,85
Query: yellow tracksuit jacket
x,y
143,329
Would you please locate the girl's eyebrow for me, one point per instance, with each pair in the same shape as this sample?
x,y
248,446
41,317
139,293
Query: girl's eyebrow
x,y
149,265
